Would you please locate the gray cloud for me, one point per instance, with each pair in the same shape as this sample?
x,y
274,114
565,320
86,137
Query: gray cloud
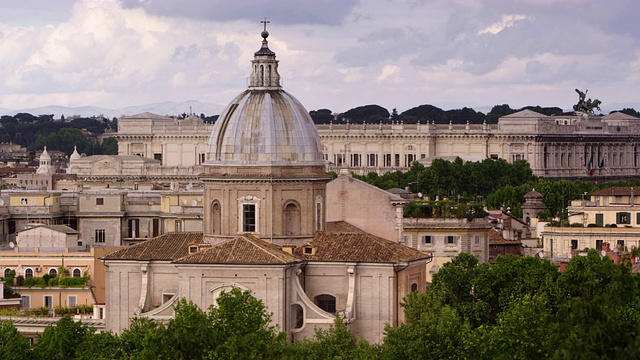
x,y
282,12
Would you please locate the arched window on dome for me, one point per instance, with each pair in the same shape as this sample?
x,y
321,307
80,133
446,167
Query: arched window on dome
x,y
261,75
216,218
292,219
319,217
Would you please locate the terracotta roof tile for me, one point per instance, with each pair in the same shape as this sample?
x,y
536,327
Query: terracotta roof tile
x,y
244,249
353,244
169,246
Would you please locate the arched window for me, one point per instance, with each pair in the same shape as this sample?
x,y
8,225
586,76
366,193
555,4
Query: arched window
x,y
298,316
292,219
77,272
319,217
28,273
326,303
6,272
216,218
53,272
414,287
261,75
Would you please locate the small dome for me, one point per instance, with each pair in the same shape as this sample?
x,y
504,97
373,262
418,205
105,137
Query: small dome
x,y
74,155
265,125
45,155
533,194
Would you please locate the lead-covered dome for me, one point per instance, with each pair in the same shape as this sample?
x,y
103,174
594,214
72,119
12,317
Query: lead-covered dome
x,y
265,125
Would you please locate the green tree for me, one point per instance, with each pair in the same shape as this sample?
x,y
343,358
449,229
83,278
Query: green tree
x,y
189,333
109,146
242,329
61,340
101,346
337,342
145,339
12,344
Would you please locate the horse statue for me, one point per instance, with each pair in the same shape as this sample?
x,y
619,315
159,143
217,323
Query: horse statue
x,y
586,106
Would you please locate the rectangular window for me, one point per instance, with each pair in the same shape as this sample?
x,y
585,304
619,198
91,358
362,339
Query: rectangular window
x,y
450,240
249,217
638,218
623,218
599,244
620,244
155,231
48,301
25,301
72,301
134,228
427,239
387,160
99,201
178,225
477,239
574,244
600,219
100,236
397,160
157,156
202,158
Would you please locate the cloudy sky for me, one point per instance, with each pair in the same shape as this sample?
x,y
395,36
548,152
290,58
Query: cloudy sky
x,y
334,54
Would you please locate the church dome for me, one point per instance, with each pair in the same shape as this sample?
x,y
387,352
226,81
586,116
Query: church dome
x,y
265,125
74,155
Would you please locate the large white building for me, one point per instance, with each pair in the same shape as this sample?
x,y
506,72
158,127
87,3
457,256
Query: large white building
x,y
565,146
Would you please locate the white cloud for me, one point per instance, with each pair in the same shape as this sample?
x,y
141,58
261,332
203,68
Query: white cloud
x,y
387,72
507,21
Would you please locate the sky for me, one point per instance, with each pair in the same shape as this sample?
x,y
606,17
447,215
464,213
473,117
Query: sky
x,y
334,54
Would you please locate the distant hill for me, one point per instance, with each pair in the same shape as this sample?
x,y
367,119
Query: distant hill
x,y
161,108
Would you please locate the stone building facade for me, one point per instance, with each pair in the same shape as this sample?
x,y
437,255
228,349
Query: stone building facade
x,y
563,146
607,219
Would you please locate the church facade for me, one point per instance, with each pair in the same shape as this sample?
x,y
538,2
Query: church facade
x,y
265,230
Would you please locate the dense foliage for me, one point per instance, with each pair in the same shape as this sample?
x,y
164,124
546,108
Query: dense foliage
x,y
429,113
522,308
494,183
34,132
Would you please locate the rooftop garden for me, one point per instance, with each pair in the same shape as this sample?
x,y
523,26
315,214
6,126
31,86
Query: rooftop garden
x,y
443,209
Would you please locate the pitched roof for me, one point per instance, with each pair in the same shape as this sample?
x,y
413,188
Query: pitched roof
x,y
59,228
169,246
617,115
615,191
244,249
345,242
525,114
